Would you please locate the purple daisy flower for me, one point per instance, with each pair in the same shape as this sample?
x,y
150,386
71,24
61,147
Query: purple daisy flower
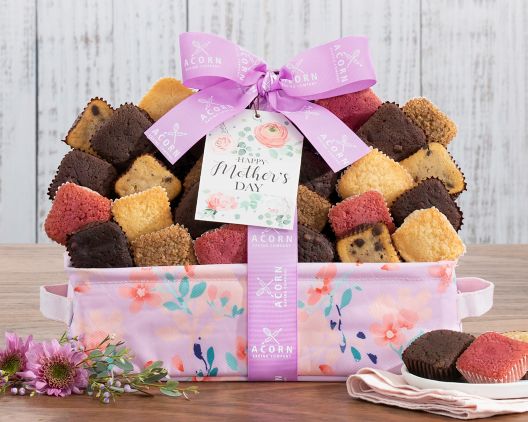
x,y
55,370
13,357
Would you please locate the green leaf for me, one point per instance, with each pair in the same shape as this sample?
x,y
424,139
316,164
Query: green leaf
x,y
231,361
210,356
171,306
169,392
198,289
300,304
125,365
247,128
355,353
273,153
234,310
172,384
327,310
346,298
110,349
184,286
213,372
169,276
223,301
241,134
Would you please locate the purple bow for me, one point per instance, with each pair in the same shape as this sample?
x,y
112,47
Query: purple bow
x,y
230,78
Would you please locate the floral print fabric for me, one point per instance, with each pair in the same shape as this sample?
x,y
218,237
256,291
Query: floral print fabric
x,y
194,318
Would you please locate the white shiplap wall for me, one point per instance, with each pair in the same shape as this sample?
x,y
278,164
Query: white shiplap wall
x,y
469,56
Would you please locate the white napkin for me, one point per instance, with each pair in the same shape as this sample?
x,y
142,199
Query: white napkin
x,y
391,389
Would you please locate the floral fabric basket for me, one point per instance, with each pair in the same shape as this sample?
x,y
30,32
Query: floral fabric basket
x,y
194,318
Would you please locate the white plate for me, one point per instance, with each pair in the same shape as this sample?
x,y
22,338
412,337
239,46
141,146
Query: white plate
x,y
512,390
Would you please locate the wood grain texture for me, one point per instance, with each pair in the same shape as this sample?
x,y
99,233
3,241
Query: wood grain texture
x,y
17,120
475,67
111,49
26,267
393,29
276,30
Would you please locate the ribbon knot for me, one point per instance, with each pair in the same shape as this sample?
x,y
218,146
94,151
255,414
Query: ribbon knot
x,y
268,82
230,78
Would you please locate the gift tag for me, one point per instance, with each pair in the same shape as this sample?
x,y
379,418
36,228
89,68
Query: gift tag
x,y
250,171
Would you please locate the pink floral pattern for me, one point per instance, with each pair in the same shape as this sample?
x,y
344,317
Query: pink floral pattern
x,y
348,316
223,143
218,201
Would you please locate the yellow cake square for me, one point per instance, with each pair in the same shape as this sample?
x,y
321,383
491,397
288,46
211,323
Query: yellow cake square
x,y
143,212
144,173
434,161
427,236
375,171
164,95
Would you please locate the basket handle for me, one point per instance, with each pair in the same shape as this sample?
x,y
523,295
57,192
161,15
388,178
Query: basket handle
x,y
475,296
55,304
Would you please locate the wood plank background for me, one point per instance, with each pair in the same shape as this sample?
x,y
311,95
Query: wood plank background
x,y
470,57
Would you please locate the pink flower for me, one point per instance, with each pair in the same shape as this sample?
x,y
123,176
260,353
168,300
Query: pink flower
x,y
211,292
388,331
13,357
326,369
218,201
445,274
223,143
177,363
55,370
140,293
241,348
327,273
271,135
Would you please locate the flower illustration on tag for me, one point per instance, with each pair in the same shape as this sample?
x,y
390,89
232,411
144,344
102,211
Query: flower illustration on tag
x,y
218,201
223,143
271,135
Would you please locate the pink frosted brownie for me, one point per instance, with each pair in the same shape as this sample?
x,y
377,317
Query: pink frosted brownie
x,y
494,358
74,207
225,245
367,208
353,109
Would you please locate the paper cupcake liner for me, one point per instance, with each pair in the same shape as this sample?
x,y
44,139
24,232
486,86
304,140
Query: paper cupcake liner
x,y
428,371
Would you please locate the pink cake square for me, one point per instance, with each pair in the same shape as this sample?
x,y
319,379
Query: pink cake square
x,y
368,208
74,207
494,358
353,109
225,245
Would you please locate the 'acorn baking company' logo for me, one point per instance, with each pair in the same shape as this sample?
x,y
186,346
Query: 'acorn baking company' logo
x,y
201,57
271,347
299,76
212,109
343,60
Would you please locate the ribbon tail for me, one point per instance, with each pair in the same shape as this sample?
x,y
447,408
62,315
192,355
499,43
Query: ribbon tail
x,y
334,141
185,124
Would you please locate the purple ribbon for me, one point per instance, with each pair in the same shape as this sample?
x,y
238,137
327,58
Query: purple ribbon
x,y
230,78
272,304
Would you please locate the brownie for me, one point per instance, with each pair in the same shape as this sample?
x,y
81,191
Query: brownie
x,y
392,132
99,245
429,193
434,354
316,175
313,246
121,138
185,211
85,170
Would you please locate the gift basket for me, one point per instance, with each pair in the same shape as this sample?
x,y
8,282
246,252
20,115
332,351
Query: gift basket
x,y
264,225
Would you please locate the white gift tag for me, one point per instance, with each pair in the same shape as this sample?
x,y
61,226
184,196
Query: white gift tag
x,y
250,171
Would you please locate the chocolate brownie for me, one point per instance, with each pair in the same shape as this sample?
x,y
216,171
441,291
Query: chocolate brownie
x,y
99,245
434,354
429,193
185,211
120,139
316,175
392,132
85,170
313,246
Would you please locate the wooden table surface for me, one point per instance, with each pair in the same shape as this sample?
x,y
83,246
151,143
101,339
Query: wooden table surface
x,y
24,267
